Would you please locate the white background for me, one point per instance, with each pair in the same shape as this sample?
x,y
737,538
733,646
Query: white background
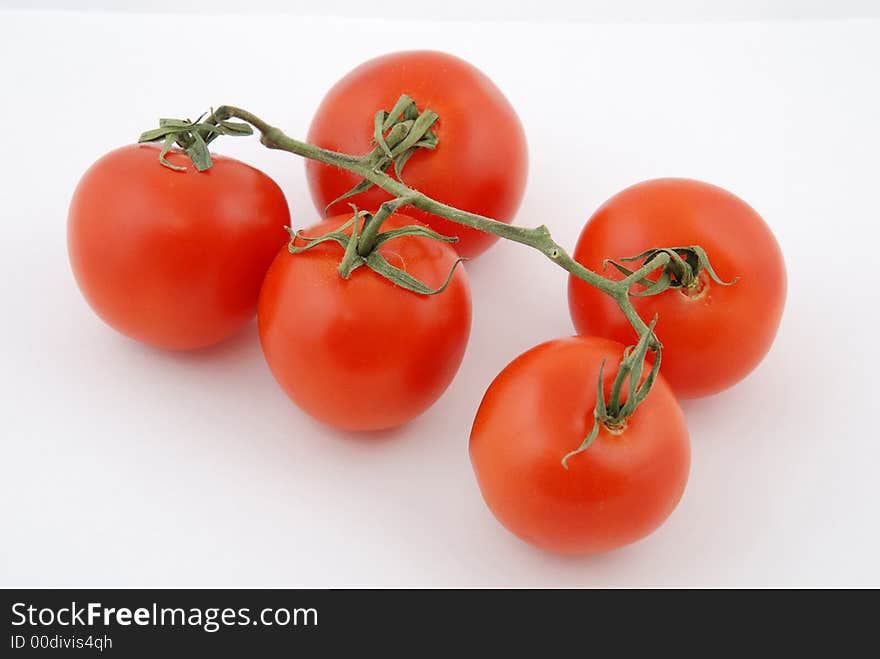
x,y
123,465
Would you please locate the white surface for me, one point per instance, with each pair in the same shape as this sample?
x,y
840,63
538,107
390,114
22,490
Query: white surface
x,y
668,11
122,465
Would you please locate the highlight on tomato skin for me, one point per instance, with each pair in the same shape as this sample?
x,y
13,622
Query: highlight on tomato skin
x,y
364,354
174,259
480,163
715,335
617,491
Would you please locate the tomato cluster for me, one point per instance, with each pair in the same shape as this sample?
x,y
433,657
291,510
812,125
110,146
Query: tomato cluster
x,y
366,333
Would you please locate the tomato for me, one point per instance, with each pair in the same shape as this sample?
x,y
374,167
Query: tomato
x,y
480,164
363,353
540,408
712,336
173,259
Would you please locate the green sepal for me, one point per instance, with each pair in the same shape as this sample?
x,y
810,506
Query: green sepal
x,y
363,186
230,128
599,414
156,134
198,152
425,120
404,107
193,137
379,132
381,266
351,260
655,287
682,270
704,262
176,123
413,230
400,163
612,414
337,237
166,147
626,272
166,127
397,135
635,393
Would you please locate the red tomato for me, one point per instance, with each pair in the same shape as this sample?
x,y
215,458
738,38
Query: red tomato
x,y
363,353
713,336
173,259
480,164
538,409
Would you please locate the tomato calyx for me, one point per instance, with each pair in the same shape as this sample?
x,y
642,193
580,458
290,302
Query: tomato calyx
x,y
397,135
360,248
193,137
614,414
682,269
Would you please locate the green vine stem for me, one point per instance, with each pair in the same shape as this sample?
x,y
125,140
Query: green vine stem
x,y
538,238
397,135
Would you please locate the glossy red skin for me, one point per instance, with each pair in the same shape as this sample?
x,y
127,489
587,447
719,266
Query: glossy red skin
x,y
174,259
363,353
713,340
481,161
539,408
